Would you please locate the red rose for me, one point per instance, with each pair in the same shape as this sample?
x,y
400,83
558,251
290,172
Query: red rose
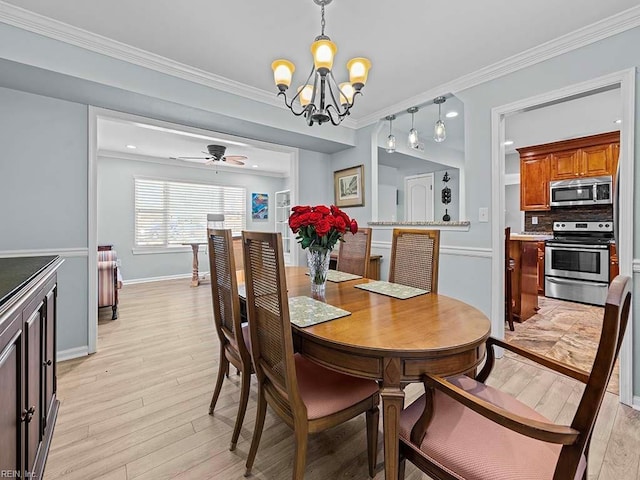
x,y
301,209
341,225
345,217
294,223
322,228
304,219
335,211
322,209
353,228
331,220
315,217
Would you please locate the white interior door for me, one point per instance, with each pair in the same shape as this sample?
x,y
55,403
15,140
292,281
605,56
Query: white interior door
x,y
419,198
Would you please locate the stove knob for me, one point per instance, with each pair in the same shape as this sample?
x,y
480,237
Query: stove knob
x,y
607,225
563,224
600,226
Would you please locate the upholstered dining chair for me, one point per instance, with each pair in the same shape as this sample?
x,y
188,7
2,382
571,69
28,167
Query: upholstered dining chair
x,y
354,253
414,258
308,397
508,280
463,429
234,338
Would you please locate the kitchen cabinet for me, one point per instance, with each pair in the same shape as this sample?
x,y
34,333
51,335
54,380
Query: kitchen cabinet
x,y
524,280
534,183
614,268
593,156
541,268
28,403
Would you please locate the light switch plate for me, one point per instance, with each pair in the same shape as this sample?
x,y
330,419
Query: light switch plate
x,y
534,220
483,214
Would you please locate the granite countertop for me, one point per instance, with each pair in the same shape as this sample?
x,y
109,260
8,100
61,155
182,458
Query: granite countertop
x,y
531,236
18,271
465,223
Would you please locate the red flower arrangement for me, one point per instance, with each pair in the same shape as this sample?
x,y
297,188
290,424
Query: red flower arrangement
x,y
320,226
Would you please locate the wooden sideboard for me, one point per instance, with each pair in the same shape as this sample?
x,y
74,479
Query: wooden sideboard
x,y
593,156
28,403
374,265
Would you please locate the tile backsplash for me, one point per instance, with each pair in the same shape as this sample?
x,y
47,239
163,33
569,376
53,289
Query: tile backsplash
x,y
584,213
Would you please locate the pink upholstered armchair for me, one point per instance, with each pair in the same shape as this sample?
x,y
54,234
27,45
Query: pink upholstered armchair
x,y
108,281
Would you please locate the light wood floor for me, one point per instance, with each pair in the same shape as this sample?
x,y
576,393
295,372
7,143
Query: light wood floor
x,y
138,408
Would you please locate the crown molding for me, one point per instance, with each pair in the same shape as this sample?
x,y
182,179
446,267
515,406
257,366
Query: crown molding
x,y
587,35
110,154
54,29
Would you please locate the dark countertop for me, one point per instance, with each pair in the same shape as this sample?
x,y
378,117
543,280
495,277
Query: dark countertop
x,y
17,272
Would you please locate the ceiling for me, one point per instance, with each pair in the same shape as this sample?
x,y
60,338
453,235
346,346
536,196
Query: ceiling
x,y
161,143
414,45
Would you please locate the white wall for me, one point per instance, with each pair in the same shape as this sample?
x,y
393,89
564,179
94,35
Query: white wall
x,y
43,193
116,212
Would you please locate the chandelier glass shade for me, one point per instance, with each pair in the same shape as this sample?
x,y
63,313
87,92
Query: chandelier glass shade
x,y
321,99
439,129
390,146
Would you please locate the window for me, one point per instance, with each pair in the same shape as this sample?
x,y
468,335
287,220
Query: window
x,y
169,214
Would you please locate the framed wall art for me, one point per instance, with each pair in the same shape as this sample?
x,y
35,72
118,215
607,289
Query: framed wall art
x,y
348,187
260,206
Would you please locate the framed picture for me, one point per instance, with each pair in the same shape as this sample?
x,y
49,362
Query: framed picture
x,y
348,185
260,206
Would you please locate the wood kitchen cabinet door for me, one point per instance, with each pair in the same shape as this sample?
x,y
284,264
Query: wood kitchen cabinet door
x,y
565,165
534,183
596,161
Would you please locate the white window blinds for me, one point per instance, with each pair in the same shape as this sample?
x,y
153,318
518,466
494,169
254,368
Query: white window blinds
x,y
172,213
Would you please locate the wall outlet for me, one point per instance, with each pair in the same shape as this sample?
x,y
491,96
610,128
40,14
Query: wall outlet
x,y
483,214
534,220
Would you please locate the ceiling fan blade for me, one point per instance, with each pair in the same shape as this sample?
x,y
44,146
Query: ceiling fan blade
x,y
191,158
234,159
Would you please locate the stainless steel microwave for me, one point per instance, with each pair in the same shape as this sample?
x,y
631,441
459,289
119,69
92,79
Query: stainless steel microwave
x,y
582,191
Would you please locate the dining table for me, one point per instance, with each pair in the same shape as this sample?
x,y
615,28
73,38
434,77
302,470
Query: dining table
x,y
393,341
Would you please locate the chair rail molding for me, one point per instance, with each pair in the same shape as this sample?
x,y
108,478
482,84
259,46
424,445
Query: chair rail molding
x,y
38,252
636,265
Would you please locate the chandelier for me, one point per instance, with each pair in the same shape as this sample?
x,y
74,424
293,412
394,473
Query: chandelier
x,y
324,100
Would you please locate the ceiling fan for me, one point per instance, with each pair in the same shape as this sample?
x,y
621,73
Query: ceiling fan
x,y
215,153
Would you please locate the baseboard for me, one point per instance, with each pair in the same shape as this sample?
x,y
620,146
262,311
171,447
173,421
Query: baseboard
x,y
636,402
179,276
72,353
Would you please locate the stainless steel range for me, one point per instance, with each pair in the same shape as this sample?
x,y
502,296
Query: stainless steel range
x,y
577,261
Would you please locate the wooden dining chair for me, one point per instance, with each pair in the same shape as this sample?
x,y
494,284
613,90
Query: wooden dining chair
x,y
354,253
508,280
308,397
463,429
414,258
234,338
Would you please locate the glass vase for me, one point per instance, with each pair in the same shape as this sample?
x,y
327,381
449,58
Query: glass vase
x,y
318,262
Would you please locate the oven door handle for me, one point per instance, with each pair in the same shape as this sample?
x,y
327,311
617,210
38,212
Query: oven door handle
x,y
562,281
572,247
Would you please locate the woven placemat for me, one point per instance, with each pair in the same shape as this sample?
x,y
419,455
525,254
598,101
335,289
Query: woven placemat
x,y
305,311
392,289
337,276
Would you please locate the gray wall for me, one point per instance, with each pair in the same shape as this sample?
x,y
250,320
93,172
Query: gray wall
x,y
43,190
116,211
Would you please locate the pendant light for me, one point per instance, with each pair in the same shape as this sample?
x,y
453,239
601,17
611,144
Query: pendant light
x,y
391,139
413,133
439,130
